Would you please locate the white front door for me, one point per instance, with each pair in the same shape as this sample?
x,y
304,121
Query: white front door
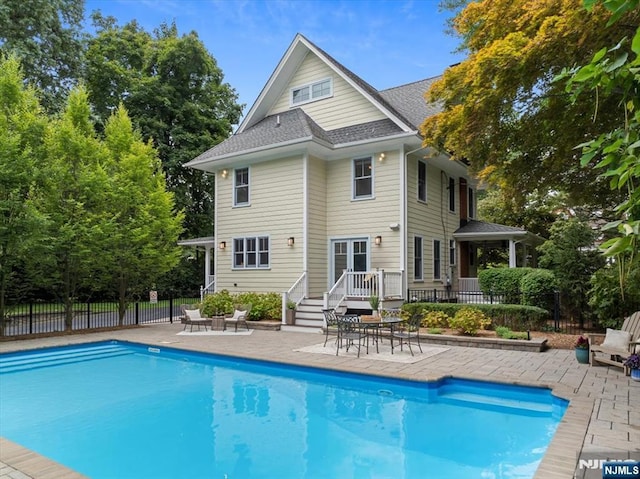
x,y
350,255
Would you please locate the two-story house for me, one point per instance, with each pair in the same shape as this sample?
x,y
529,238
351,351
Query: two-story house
x,y
326,191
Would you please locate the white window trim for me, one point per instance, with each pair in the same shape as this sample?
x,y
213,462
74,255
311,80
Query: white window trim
x,y
257,251
415,276
353,179
426,187
433,259
453,252
234,186
449,196
310,86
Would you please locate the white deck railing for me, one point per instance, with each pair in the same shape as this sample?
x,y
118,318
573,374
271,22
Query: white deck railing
x,y
296,293
209,288
469,285
364,284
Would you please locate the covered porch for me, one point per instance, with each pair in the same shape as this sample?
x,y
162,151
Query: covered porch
x,y
207,243
474,236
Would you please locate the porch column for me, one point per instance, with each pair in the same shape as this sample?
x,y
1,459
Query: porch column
x,y
512,254
207,265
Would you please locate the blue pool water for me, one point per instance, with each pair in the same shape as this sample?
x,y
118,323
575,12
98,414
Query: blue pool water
x,y
123,410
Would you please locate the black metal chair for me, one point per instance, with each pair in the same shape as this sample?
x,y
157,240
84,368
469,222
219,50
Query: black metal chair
x,y
330,324
350,331
409,332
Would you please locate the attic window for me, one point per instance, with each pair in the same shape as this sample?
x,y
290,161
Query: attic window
x,y
312,91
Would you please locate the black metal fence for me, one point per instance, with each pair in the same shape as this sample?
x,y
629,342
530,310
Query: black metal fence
x,y
42,318
551,302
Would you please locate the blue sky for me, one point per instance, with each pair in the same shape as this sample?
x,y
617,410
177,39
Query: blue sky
x,y
387,43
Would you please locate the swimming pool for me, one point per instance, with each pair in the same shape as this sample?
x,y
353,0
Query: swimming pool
x,y
117,409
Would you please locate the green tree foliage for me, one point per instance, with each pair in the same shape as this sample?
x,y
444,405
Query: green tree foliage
x,y
571,255
613,77
74,201
175,95
47,37
143,226
22,130
502,110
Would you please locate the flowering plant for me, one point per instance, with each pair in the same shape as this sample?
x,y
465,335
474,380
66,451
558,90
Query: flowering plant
x,y
582,343
633,361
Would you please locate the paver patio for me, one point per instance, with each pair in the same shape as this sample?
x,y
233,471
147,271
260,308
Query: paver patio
x,y
604,414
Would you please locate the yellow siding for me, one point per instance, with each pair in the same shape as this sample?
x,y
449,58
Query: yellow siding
x,y
317,227
371,217
431,220
346,107
276,210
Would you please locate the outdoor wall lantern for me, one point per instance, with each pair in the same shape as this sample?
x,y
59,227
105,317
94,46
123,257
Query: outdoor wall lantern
x,y
222,245
378,240
224,173
290,241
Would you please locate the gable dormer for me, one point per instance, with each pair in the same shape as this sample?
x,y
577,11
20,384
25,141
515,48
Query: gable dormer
x,y
325,96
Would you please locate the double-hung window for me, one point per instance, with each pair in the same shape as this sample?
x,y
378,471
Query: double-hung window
x,y
437,263
312,91
452,194
422,181
417,258
241,187
251,252
362,178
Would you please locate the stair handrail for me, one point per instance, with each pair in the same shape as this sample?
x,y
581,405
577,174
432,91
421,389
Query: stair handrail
x,y
209,288
336,294
296,293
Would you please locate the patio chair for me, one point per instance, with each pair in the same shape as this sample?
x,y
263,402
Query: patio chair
x,y
239,316
618,344
330,324
350,331
409,332
191,316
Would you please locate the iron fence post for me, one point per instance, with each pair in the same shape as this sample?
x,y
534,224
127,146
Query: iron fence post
x,y
170,308
556,310
88,315
137,311
30,318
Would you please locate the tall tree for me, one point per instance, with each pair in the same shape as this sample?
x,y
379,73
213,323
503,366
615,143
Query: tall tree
x,y
614,73
502,109
47,37
174,92
144,226
22,130
74,200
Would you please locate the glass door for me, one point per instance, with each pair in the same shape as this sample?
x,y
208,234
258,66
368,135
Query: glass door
x,y
351,256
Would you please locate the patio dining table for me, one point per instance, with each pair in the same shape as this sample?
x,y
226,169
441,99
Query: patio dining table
x,y
373,326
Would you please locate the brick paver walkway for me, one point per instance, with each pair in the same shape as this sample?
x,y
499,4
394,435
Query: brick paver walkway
x,y
604,412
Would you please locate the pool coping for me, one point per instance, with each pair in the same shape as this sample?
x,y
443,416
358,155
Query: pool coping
x,y
559,460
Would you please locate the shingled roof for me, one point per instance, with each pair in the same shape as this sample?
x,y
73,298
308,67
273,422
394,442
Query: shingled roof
x,y
406,103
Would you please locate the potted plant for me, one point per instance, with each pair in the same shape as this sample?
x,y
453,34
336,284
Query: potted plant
x,y
582,350
374,301
290,319
633,363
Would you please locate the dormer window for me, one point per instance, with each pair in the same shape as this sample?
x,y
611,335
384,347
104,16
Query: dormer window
x,y
312,91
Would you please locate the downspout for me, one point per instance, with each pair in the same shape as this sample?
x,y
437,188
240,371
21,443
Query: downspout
x,y
305,221
404,215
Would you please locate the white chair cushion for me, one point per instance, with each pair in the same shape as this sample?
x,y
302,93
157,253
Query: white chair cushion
x,y
193,313
238,314
616,339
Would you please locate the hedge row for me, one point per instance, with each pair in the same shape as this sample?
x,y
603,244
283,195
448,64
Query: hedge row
x,y
514,316
263,305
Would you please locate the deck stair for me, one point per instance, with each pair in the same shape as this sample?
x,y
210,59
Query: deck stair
x,y
309,312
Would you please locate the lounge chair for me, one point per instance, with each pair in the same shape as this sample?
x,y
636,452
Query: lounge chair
x,y
239,316
191,316
618,344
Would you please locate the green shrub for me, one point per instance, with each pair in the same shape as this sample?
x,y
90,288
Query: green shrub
x,y
434,330
606,300
506,333
434,319
537,288
503,281
263,305
220,302
469,321
515,316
